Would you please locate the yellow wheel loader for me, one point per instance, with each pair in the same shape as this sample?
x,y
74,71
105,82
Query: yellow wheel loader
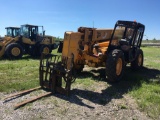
x,y
30,40
11,32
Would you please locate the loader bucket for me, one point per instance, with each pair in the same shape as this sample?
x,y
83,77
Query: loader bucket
x,y
2,50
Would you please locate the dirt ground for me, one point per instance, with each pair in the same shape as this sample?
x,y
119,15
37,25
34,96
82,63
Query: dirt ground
x,y
81,105
93,103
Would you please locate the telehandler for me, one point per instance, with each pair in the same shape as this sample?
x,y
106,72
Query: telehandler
x,y
30,40
109,48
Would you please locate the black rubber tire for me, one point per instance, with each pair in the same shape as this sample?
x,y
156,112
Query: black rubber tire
x,y
138,62
79,68
58,81
47,47
12,46
111,64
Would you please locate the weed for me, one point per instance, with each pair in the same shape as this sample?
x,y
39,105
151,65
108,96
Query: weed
x,y
122,106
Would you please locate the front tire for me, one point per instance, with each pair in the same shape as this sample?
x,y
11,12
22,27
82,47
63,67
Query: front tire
x,y
115,65
79,68
14,51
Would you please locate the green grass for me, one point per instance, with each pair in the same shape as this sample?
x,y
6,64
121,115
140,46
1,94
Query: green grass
x,y
152,57
18,74
143,85
150,41
148,98
147,90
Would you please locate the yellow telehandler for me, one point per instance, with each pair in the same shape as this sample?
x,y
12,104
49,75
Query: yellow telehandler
x,y
109,48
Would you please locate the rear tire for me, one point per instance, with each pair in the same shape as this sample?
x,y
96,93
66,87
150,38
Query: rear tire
x,y
45,49
115,65
138,62
14,51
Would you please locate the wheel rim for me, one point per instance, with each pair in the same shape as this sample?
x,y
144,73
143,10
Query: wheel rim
x,y
15,51
46,50
119,66
139,60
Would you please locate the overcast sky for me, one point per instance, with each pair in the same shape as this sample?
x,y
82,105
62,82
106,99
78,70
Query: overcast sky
x,y
58,16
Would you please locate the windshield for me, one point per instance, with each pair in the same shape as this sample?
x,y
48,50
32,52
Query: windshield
x,y
24,31
123,33
119,31
12,32
40,32
9,32
16,32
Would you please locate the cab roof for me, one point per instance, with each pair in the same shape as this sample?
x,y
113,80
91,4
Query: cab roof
x,y
29,25
12,27
132,24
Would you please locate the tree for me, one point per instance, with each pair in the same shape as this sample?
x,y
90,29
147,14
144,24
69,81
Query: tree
x,y
57,39
154,39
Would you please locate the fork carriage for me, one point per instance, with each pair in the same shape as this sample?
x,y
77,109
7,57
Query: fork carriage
x,y
55,68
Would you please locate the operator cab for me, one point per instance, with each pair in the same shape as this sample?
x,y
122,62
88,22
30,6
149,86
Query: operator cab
x,y
32,31
133,33
12,31
131,38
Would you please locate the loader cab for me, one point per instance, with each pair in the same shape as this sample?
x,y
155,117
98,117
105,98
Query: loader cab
x,y
32,31
12,31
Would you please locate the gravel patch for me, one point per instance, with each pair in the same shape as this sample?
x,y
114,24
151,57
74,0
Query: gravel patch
x,y
80,105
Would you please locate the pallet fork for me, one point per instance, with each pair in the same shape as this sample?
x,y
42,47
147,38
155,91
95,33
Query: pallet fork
x,y
53,69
